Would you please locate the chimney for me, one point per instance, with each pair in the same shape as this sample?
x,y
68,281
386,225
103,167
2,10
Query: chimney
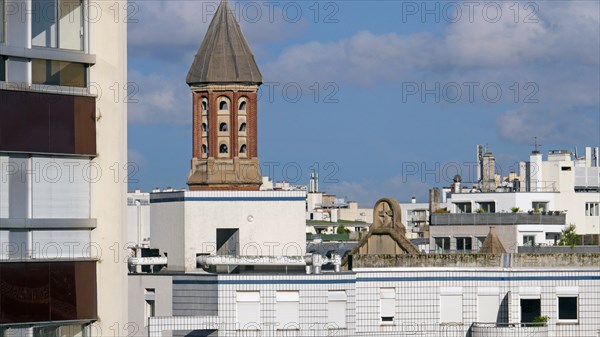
x,y
434,199
413,200
588,156
488,183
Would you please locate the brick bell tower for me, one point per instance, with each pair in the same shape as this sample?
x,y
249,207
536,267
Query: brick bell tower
x,y
224,80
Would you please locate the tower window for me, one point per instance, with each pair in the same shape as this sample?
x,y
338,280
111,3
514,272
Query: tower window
x,y
223,106
223,127
204,106
204,127
243,149
223,149
204,149
243,127
242,106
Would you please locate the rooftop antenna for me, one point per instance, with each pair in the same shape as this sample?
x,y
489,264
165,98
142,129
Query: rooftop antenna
x,y
536,145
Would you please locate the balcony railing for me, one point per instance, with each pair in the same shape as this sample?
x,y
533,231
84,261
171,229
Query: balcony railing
x,y
453,219
509,329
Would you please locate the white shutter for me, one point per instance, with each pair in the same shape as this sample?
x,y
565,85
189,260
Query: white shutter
x,y
488,306
51,244
248,310
336,309
451,308
61,188
387,304
288,310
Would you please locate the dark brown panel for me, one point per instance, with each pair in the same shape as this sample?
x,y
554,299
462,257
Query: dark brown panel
x,y
40,122
25,292
47,291
85,288
85,125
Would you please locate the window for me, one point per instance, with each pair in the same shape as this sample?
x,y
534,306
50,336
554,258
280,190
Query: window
x,y
528,240
567,308
150,309
592,209
223,127
336,309
243,149
488,306
57,24
387,305
223,105
464,244
480,241
248,310
1,20
2,63
204,106
242,106
541,206
488,207
204,149
463,207
58,73
204,128
530,309
223,148
442,244
243,127
287,311
451,308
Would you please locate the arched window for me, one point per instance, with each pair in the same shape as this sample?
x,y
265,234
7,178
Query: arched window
x,y
204,106
243,127
223,148
204,149
243,105
243,149
223,106
223,127
204,127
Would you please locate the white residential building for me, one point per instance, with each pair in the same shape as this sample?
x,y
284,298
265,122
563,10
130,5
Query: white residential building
x,y
63,163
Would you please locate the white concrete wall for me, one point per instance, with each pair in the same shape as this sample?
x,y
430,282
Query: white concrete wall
x,y
108,41
276,227
163,290
167,230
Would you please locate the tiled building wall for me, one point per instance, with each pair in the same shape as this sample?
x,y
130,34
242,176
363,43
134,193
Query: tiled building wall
x,y
418,299
420,296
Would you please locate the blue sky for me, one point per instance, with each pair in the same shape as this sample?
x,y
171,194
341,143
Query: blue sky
x,y
395,95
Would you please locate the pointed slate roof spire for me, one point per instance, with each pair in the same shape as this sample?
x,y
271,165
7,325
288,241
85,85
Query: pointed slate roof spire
x,y
492,243
224,56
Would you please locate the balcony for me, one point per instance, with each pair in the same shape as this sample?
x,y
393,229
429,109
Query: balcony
x,y
509,330
484,219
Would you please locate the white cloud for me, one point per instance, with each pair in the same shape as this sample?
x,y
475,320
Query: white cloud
x,y
160,99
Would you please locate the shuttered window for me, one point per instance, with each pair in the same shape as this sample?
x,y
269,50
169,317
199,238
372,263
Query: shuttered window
x,y
387,305
287,310
336,309
451,306
248,310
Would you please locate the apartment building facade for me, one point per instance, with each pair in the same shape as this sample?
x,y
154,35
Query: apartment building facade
x,y
63,162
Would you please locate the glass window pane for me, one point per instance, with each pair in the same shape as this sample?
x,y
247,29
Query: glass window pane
x,y
70,25
567,308
2,68
58,73
1,22
43,23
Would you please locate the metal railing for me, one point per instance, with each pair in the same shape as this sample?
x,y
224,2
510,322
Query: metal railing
x,y
452,219
509,329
